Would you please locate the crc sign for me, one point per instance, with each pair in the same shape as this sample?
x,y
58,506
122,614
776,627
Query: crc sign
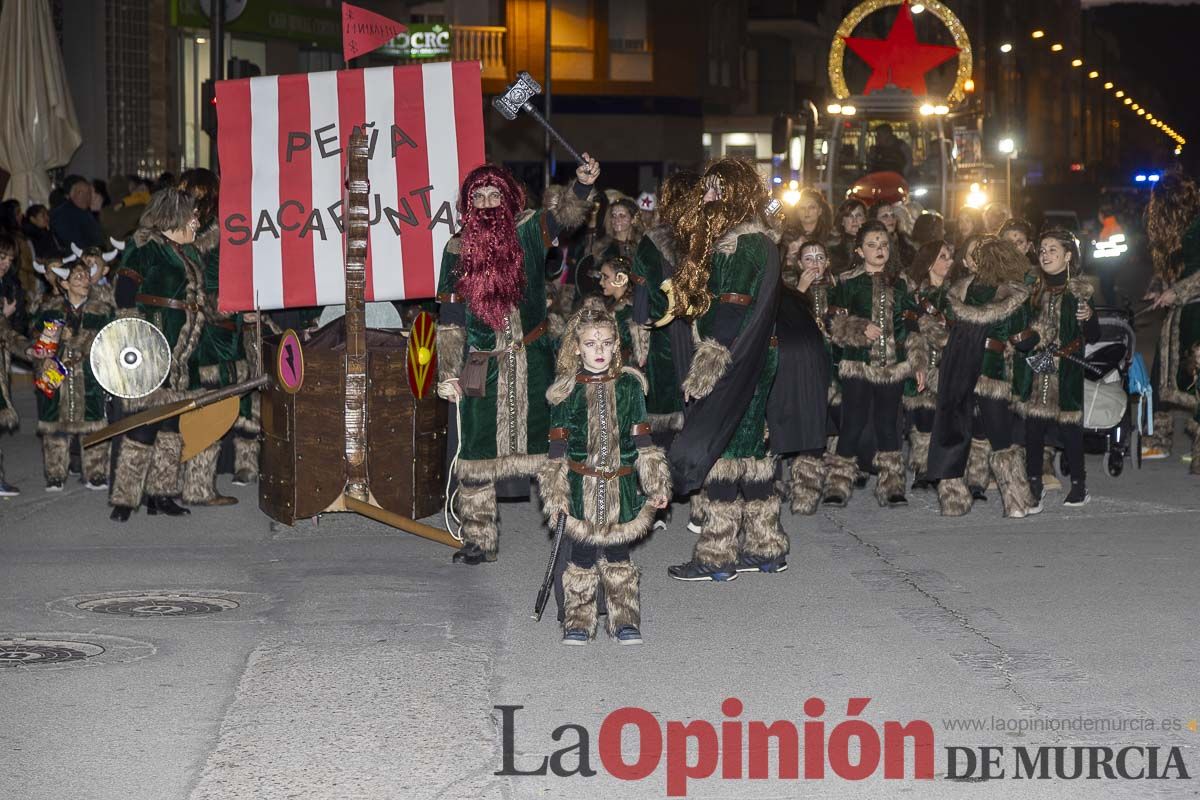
x,y
421,41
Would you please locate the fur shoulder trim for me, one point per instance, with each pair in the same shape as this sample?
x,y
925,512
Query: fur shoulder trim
x,y
208,239
561,389
638,376
143,235
598,248
1009,297
1081,288
663,238
851,275
728,242
525,216
455,244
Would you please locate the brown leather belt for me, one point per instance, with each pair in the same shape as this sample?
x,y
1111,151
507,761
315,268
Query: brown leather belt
x,y
164,302
1072,348
638,279
995,345
227,324
527,339
559,434
593,377
585,470
641,429
131,274
736,299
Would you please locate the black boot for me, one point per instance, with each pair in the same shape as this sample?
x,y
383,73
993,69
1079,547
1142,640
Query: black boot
x,y
121,513
472,554
165,505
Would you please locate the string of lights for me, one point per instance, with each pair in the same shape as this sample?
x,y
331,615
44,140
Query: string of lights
x,y
1118,94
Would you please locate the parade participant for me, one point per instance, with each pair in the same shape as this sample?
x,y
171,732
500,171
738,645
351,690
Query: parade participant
x,y
1020,233
1062,317
813,218
614,283
219,359
875,326
12,340
161,280
850,216
995,214
814,281
76,406
929,226
1173,225
620,240
727,285
931,275
604,473
964,255
653,262
988,335
493,359
898,222
968,223
12,292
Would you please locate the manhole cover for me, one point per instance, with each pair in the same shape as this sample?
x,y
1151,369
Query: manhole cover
x,y
157,605
28,652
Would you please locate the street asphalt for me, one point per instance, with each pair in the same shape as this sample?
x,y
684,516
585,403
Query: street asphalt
x,y
358,662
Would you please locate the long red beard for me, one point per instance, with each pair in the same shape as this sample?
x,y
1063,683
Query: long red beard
x,y
491,268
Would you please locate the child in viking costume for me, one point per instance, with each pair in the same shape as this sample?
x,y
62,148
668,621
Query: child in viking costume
x,y
615,284
219,359
76,405
494,358
160,280
931,274
12,340
99,263
620,240
810,275
1173,226
1064,322
875,326
727,286
600,453
982,362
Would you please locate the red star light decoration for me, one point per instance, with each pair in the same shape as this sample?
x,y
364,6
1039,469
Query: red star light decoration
x,y
900,59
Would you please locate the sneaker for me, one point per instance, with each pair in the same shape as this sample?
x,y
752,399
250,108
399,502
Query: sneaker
x,y
897,500
626,634
8,490
1154,454
97,485
54,486
694,526
691,571
243,478
1078,496
1037,507
472,554
748,562
578,637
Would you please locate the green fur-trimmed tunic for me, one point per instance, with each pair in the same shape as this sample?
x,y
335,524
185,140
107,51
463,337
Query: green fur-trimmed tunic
x,y
861,298
932,304
506,428
1004,310
664,400
1175,380
737,268
1057,395
220,356
78,405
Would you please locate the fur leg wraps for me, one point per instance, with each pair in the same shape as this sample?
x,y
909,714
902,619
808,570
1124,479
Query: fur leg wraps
x,y
977,464
245,455
621,581
96,460
56,456
717,545
954,497
839,475
760,523
129,477
1194,429
891,476
807,482
579,598
697,505
165,469
1164,432
200,475
918,451
1009,468
477,508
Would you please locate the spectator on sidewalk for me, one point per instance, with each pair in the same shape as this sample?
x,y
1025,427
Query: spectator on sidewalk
x,y
73,222
131,195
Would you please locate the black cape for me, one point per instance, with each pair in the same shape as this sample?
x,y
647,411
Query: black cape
x,y
958,372
798,408
709,423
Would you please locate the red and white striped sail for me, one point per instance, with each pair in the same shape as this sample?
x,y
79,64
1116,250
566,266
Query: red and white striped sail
x,y
282,143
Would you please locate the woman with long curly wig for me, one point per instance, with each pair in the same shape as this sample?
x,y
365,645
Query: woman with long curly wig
x,y
1173,225
727,287
493,357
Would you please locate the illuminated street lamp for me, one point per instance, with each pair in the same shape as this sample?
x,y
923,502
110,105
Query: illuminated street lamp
x,y
1006,48
1009,149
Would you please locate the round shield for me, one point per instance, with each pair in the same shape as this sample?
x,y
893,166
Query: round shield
x,y
289,362
130,358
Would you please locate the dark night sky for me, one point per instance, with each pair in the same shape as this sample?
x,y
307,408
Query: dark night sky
x,y
1158,47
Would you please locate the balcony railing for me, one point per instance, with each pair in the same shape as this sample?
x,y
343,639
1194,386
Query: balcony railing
x,y
482,43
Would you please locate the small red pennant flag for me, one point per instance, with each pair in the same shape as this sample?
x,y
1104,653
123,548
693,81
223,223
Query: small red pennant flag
x,y
364,31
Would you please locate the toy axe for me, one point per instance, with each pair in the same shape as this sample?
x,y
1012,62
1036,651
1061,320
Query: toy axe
x,y
516,98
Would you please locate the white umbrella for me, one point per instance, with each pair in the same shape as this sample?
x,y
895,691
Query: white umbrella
x,y
38,129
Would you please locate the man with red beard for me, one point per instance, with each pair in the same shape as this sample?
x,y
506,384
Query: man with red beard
x,y
494,358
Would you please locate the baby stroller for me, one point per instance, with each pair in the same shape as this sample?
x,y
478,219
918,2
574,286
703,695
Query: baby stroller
x,y
1107,421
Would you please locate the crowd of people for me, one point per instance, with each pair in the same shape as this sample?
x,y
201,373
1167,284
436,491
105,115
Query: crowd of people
x,y
690,347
